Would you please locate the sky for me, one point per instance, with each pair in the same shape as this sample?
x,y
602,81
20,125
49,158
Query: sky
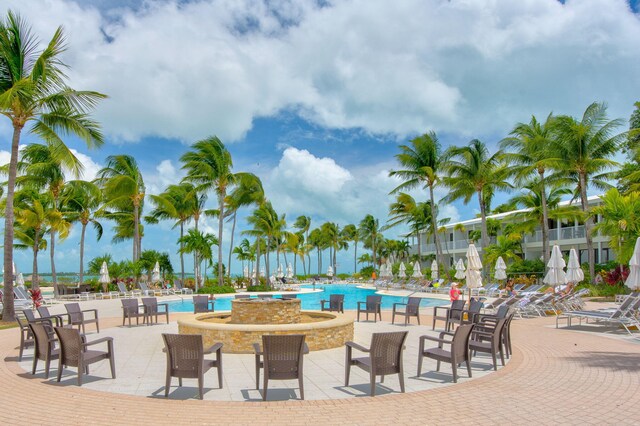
x,y
315,97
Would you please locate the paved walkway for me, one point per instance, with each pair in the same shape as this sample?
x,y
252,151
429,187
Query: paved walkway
x,y
554,377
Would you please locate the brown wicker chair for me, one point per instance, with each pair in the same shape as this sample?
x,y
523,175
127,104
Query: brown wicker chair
x,y
26,336
412,309
45,342
336,303
185,359
457,354
487,337
152,309
371,306
44,313
74,352
281,358
77,316
202,303
131,309
450,313
472,315
385,357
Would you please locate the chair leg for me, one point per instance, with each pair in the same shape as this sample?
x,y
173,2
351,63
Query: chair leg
x,y
81,370
167,385
200,384
393,317
401,378
469,368
372,378
21,346
418,316
179,381
420,357
438,366
347,367
219,371
454,369
266,384
300,381
495,362
257,373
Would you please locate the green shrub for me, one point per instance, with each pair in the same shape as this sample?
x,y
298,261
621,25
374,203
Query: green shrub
x,y
604,290
366,271
262,287
216,289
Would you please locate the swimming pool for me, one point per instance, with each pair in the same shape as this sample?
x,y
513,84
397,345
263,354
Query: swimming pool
x,y
311,301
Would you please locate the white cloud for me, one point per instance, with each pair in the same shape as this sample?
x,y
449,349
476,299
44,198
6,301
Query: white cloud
x,y
190,69
90,168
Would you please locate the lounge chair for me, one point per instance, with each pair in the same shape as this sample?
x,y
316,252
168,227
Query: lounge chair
x,y
45,344
281,359
450,313
185,359
625,315
152,309
177,287
146,291
385,357
412,309
487,337
458,349
126,293
77,316
336,303
371,306
131,309
74,352
202,303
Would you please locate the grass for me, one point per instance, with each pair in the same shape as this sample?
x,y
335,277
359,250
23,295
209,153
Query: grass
x,y
7,324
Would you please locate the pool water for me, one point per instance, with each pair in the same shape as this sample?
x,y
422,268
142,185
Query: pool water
x,y
311,301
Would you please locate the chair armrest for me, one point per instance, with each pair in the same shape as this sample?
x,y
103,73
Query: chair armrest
x,y
256,348
305,348
399,304
166,306
446,333
482,333
95,312
100,340
435,310
361,303
433,339
214,348
354,345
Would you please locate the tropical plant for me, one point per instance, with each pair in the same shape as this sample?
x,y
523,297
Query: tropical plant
x,y
370,234
620,220
350,233
585,149
199,244
303,224
265,223
33,89
507,246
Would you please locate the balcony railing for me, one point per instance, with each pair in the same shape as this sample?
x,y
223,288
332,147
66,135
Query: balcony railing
x,y
571,233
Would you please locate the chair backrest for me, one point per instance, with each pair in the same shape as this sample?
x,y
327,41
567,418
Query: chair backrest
x,y
373,302
460,344
458,305
130,306
150,304
242,296
185,353
121,287
200,303
413,305
143,286
282,355
497,332
74,311
502,311
42,331
336,301
20,293
177,284
475,306
386,351
29,315
43,311
70,345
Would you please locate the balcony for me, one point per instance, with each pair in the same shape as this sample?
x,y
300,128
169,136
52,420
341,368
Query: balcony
x,y
571,233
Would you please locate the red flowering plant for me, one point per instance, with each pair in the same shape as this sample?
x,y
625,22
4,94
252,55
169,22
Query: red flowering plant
x,y
36,297
617,276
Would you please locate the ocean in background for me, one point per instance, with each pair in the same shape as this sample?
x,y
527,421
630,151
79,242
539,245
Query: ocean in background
x,y
74,277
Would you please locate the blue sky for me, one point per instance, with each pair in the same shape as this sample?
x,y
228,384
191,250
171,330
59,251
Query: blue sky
x,y
315,97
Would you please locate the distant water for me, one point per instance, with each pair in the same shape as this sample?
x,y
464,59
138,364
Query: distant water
x,y
74,277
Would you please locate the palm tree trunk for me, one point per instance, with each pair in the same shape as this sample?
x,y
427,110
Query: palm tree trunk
x,y
587,224
220,225
485,233
82,234
52,257
181,252
8,310
319,260
434,225
34,273
136,230
257,268
233,230
355,256
545,220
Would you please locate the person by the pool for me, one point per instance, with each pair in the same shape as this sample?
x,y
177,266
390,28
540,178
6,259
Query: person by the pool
x,y
454,293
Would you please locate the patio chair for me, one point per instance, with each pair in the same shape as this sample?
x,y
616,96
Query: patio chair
x,y
26,336
281,358
77,316
146,291
487,338
469,316
126,293
44,313
131,309
336,303
202,303
385,357
371,306
74,352
457,353
185,359
625,315
152,309
412,309
45,344
454,312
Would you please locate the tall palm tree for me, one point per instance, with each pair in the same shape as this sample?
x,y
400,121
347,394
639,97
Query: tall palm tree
x,y
416,215
473,171
531,142
198,243
317,241
177,202
248,191
369,229
265,223
123,187
80,202
350,233
209,166
303,223
33,89
422,164
586,148
331,233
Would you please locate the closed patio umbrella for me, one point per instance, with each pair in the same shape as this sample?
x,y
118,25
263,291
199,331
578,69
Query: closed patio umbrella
x,y
402,270
500,270
289,271
434,270
474,269
633,280
155,274
417,273
555,275
330,271
460,270
574,271
20,280
279,273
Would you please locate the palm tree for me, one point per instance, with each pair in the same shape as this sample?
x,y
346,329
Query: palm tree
x,y
265,223
507,246
473,171
369,230
199,244
33,89
303,223
422,164
585,149
317,241
532,155
350,233
178,202
416,215
123,187
331,234
620,221
209,166
248,191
